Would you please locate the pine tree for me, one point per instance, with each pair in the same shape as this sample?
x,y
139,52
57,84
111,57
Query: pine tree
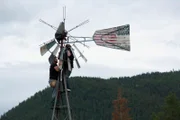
x,y
121,111
171,109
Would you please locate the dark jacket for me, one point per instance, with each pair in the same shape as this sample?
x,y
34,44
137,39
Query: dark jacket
x,y
53,74
65,64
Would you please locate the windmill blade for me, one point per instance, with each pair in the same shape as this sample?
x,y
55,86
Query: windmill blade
x,y
80,53
55,28
86,21
64,13
56,50
116,37
77,62
44,48
53,54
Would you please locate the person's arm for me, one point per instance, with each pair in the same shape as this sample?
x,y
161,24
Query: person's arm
x,y
57,68
60,64
70,55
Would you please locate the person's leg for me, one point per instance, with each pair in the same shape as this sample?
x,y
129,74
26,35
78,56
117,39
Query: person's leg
x,y
68,73
54,85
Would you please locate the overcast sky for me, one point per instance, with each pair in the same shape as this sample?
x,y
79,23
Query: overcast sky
x,y
154,35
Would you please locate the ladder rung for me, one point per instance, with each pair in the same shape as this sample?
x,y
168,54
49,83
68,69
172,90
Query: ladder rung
x,y
60,107
63,106
63,91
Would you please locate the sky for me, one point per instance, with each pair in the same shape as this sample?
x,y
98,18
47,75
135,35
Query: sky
x,y
154,40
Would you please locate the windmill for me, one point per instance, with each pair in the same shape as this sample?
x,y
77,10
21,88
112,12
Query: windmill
x,y
114,38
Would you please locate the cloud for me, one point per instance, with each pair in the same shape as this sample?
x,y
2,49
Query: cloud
x,y
23,10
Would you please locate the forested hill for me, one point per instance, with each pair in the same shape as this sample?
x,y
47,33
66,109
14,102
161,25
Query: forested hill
x,y
91,98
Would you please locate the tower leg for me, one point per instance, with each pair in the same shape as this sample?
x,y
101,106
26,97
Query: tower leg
x,y
67,98
61,110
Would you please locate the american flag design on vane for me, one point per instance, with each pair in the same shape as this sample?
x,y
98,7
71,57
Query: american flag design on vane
x,y
116,37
